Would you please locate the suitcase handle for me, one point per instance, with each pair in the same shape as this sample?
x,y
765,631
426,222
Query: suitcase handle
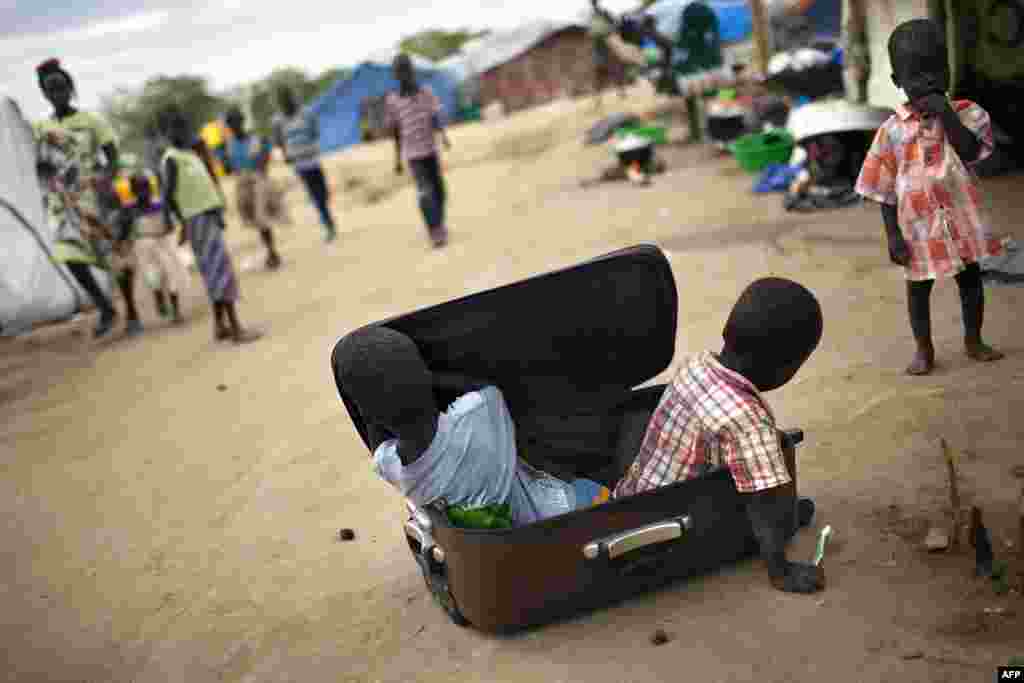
x,y
634,539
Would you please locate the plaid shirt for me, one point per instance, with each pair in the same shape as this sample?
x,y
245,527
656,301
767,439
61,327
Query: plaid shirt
x,y
414,117
708,417
912,166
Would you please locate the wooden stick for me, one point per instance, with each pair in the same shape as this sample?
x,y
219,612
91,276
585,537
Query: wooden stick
x,y
954,497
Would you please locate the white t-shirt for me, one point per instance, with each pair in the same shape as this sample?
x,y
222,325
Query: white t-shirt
x,y
473,462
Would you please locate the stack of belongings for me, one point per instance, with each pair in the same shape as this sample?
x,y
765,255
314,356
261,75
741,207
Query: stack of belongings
x,y
814,71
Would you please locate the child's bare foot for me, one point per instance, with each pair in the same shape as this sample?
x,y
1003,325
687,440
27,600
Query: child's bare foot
x,y
246,336
177,320
983,353
222,333
923,363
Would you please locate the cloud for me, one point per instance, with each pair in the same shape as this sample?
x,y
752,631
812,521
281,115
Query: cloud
x,y
232,42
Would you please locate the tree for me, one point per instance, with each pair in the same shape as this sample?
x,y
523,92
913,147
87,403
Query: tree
x,y
436,44
134,114
328,78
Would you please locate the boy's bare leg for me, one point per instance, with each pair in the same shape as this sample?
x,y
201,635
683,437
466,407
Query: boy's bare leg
x,y
273,258
176,318
919,307
221,329
972,302
238,334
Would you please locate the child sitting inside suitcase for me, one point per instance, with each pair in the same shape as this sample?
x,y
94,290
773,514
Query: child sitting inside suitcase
x,y
712,415
466,455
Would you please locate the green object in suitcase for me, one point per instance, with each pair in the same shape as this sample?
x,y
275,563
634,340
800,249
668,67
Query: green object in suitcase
x,y
656,134
487,517
757,151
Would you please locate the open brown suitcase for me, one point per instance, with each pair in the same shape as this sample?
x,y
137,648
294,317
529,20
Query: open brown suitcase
x,y
567,349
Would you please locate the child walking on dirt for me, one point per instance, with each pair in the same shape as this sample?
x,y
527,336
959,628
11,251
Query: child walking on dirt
x,y
414,115
919,169
249,155
712,415
157,253
191,195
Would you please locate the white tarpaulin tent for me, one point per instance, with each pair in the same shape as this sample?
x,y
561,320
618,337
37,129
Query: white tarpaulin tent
x,y
33,289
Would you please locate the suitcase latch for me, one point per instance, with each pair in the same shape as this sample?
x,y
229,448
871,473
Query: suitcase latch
x,y
626,541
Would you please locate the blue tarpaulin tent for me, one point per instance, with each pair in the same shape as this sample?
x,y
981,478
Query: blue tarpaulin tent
x,y
339,109
734,18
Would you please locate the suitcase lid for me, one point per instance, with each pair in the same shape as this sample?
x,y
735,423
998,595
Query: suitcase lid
x,y
560,343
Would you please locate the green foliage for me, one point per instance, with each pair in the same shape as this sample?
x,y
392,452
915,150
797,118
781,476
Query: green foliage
x,y
436,44
134,114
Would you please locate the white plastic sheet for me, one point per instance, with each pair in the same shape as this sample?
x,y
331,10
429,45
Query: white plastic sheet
x,y
33,289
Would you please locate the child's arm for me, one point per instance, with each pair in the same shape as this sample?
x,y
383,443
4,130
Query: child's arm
x,y
772,515
171,207
966,144
899,252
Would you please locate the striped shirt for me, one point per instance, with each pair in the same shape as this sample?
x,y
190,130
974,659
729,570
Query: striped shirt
x,y
414,117
299,137
708,417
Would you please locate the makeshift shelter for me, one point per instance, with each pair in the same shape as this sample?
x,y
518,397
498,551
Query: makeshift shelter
x,y
351,102
33,288
532,64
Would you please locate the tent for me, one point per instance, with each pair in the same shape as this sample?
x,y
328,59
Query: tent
x,y
734,18
33,288
339,109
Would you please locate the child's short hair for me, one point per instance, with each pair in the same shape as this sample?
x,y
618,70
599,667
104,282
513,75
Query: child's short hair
x,y
172,119
384,373
775,320
917,37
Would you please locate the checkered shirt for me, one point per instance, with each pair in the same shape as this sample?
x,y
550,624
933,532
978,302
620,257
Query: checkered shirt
x,y
912,165
708,417
414,118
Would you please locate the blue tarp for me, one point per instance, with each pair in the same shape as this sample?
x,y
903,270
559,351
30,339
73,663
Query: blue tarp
x,y
735,21
338,110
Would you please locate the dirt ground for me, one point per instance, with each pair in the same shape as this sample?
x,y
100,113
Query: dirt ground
x,y
172,504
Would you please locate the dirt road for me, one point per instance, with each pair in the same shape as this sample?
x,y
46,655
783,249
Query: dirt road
x,y
159,528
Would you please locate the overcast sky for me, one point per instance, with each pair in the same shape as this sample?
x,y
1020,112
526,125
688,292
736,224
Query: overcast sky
x,y
110,44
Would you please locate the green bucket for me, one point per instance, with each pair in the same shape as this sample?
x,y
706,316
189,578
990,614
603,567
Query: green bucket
x,y
757,151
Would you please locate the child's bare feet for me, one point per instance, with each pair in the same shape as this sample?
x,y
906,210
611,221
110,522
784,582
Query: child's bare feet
x,y
222,333
983,353
246,336
923,363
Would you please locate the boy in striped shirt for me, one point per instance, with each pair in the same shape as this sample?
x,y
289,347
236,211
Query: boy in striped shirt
x,y
414,115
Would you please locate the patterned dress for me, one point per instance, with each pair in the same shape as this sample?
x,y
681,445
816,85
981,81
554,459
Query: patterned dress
x,y
911,165
69,152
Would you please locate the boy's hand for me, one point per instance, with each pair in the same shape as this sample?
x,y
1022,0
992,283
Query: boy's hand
x,y
398,168
932,105
899,252
800,578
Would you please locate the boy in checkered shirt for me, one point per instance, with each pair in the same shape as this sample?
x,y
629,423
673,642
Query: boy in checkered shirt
x,y
919,169
712,415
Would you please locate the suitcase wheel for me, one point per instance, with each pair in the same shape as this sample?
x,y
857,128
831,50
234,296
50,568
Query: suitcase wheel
x,y
430,558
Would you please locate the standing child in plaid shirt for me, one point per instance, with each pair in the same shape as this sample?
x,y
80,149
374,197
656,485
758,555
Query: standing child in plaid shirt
x,y
919,170
712,415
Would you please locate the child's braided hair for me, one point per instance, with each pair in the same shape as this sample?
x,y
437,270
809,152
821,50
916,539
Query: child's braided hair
x,y
51,67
